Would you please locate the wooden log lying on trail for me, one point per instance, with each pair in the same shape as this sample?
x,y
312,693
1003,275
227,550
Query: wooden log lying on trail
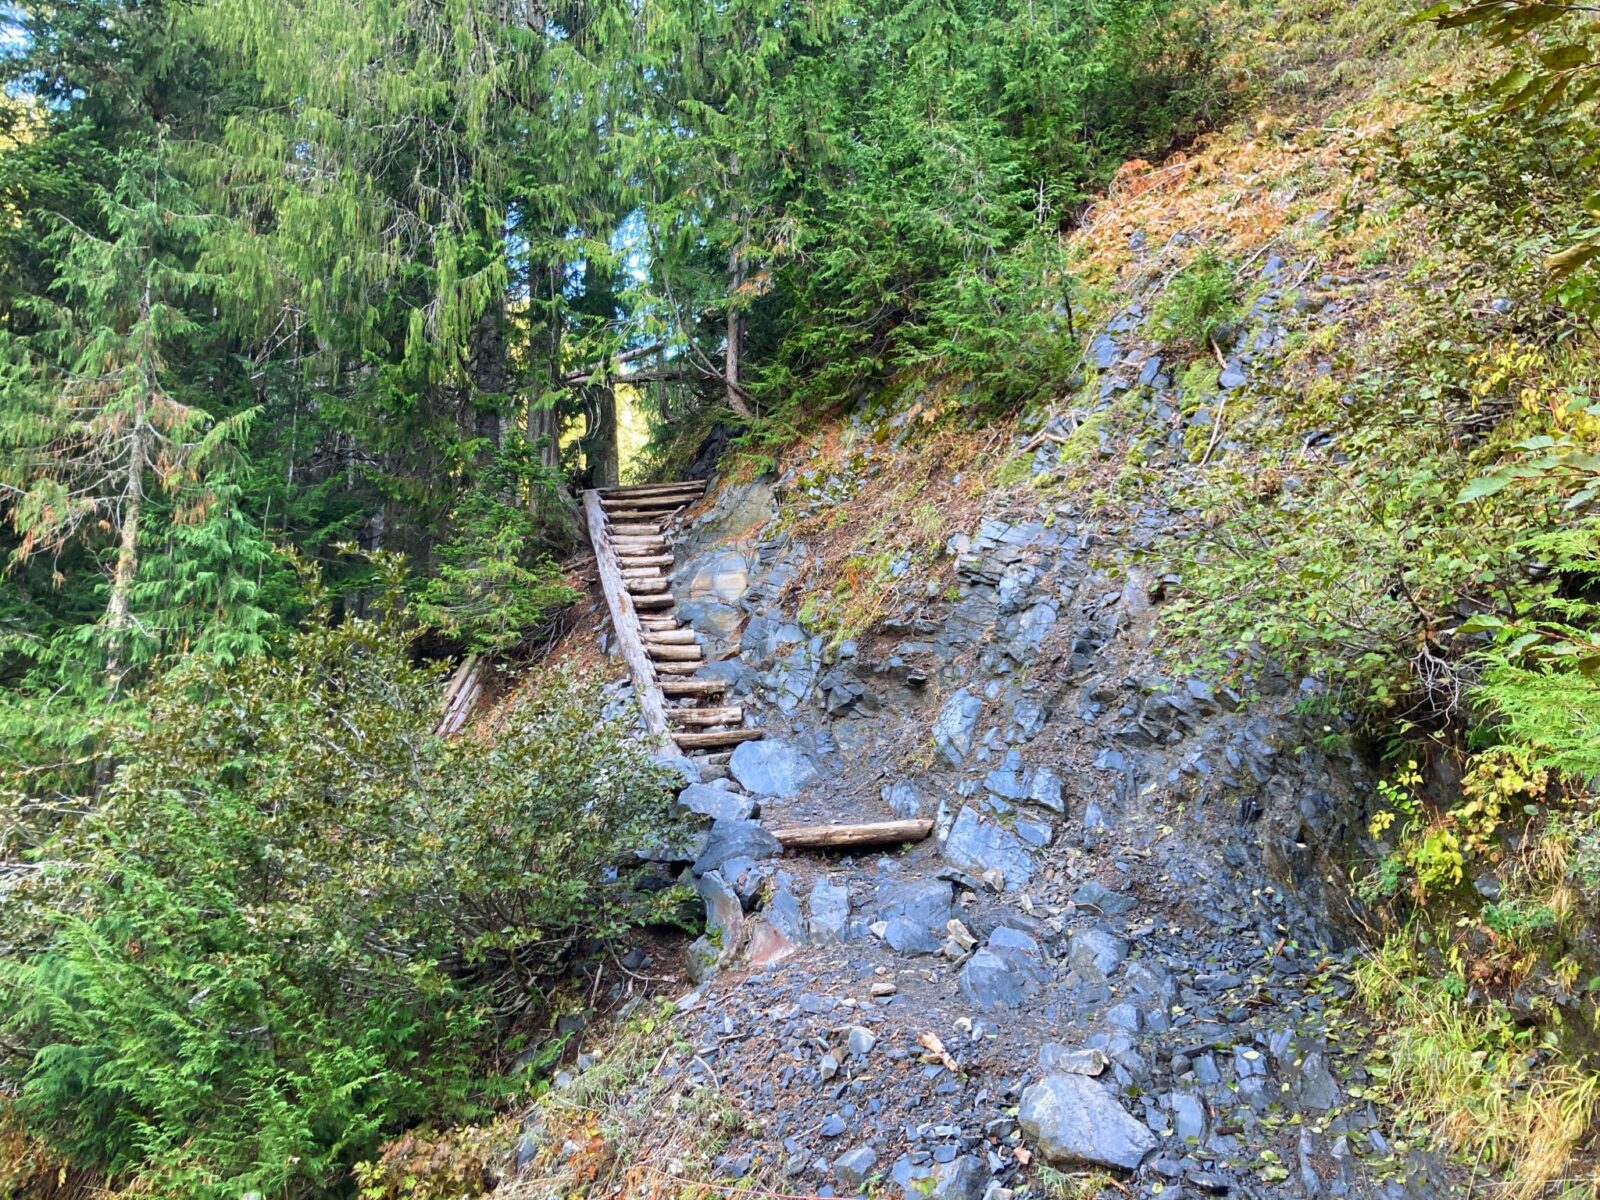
x,y
877,833
641,586
650,599
678,668
669,637
640,561
623,532
706,716
694,687
658,623
725,737
641,545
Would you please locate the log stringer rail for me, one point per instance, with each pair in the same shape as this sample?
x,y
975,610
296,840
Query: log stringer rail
x,y
631,530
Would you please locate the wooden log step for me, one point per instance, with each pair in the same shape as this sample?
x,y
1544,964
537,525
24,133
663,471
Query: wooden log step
x,y
669,637
621,532
678,668
721,737
654,600
659,624
830,837
642,576
638,587
632,562
694,687
643,545
673,654
683,487
664,505
706,716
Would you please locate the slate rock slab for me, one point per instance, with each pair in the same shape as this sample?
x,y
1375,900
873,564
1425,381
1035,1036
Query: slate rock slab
x,y
830,912
989,983
771,768
952,731
1102,899
717,803
1074,1119
1094,954
735,839
978,845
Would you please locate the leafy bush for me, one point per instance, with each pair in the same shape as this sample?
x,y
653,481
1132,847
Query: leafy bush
x,y
1200,300
291,923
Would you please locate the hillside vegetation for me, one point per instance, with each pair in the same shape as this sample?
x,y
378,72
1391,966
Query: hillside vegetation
x,y
314,318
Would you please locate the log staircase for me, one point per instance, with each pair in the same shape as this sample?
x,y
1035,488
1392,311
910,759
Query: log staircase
x,y
631,529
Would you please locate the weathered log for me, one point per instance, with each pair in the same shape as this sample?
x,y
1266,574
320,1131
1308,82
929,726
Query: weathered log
x,y
685,487
824,837
624,621
658,623
636,531
670,637
640,561
640,545
655,600
706,716
465,687
639,587
674,654
721,737
694,687
678,668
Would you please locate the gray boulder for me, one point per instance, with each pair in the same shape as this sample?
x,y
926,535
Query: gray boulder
x,y
1094,954
686,767
771,768
978,845
1074,1119
735,839
718,803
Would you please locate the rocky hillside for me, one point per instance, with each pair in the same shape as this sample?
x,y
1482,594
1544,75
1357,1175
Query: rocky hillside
x,y
1132,958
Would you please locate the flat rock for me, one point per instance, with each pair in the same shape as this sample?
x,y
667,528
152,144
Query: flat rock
x,y
771,768
717,803
1102,899
988,982
1074,1119
852,1168
976,844
964,1178
1094,954
730,839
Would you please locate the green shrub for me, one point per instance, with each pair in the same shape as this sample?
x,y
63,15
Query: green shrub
x,y
1199,301
291,923
495,580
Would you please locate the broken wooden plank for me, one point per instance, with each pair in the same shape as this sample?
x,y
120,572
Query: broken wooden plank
x,y
624,621
723,737
826,837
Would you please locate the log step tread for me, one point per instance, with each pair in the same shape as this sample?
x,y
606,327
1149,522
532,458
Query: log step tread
x,y
724,737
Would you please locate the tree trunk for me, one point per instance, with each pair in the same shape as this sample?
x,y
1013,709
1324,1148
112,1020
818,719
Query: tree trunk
x,y
600,436
730,374
119,617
